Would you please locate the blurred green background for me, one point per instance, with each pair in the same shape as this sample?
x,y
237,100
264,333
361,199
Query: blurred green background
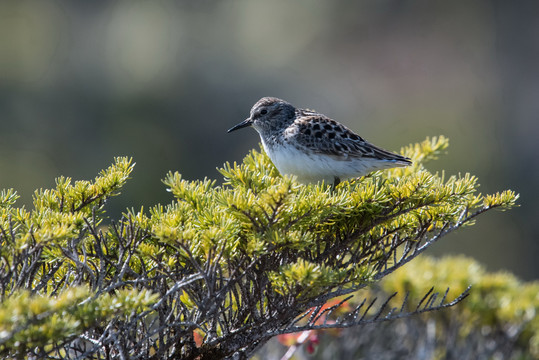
x,y
162,81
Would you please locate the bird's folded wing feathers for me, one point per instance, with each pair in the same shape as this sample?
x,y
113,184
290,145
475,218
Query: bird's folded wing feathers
x,y
322,135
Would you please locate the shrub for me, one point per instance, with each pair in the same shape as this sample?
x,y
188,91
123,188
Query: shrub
x,y
222,269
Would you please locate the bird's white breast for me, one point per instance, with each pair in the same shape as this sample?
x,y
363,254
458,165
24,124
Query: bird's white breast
x,y
307,167
310,167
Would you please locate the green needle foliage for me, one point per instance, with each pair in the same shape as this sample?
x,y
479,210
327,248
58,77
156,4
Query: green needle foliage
x,y
222,269
498,320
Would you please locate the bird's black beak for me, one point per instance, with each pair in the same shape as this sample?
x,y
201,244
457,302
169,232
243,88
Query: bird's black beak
x,y
244,123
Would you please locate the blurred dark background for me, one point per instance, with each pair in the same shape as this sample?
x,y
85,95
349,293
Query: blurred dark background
x,y
161,81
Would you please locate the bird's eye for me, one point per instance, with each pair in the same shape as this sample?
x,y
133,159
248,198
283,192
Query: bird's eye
x,y
263,112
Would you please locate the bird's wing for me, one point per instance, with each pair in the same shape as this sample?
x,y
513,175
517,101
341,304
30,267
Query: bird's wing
x,y
321,134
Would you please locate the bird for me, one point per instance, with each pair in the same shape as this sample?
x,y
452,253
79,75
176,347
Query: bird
x,y
313,147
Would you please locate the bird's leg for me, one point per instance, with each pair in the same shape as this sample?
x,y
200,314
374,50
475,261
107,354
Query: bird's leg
x,y
336,181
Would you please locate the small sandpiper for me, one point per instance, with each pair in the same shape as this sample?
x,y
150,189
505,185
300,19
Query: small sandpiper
x,y
314,147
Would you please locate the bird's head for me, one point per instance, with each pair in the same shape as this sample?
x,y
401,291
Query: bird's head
x,y
268,114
